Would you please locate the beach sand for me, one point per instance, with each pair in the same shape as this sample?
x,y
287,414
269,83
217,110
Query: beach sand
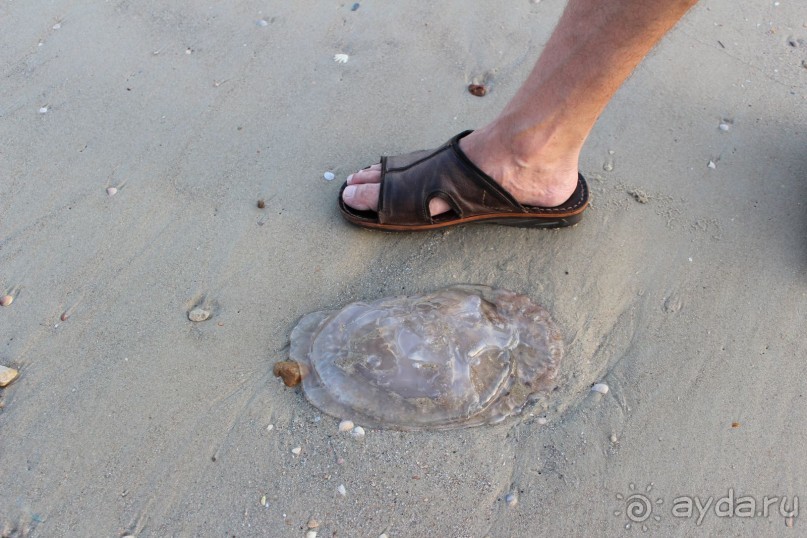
x,y
683,289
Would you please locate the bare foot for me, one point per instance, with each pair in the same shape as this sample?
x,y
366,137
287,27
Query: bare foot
x,y
537,180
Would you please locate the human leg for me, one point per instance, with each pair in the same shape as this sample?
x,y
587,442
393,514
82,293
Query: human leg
x,y
532,147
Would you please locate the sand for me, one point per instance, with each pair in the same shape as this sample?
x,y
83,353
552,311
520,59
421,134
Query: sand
x,y
129,419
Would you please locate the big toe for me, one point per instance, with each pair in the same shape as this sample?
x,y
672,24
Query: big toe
x,y
363,197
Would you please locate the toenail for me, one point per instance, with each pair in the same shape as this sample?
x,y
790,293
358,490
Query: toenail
x,y
349,193
349,179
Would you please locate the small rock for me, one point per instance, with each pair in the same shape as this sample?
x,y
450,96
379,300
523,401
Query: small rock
x,y
511,499
725,126
477,90
7,375
43,110
261,203
111,191
358,432
296,450
340,461
57,26
354,7
639,195
263,500
198,314
712,165
542,420
313,524
613,438
262,22
311,534
602,388
341,489
383,535
6,300
289,371
345,426
328,176
608,165
270,427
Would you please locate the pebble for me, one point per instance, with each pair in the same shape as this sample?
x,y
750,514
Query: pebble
x,y
354,7
57,26
613,438
712,165
311,534
198,314
477,90
313,524
511,499
7,375
358,432
296,450
261,203
270,427
328,176
6,300
725,127
383,535
542,420
602,388
263,22
608,166
345,426
341,489
263,501
111,191
43,110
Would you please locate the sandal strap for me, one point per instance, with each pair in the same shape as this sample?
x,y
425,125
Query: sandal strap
x,y
410,181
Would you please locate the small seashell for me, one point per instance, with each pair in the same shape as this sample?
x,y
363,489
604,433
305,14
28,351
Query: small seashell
x,y
57,26
270,427
477,90
43,110
383,535
725,127
6,300
511,499
341,58
345,426
311,534
328,176
341,489
188,50
7,375
313,524
542,420
358,432
263,500
296,450
111,191
608,165
602,388
613,438
262,22
198,314
65,316
712,165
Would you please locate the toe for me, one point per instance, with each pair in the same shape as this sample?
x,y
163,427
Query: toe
x,y
362,197
371,174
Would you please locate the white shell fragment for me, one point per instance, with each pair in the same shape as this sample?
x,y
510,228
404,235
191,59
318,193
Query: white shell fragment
x,y
7,375
461,356
263,22
263,501
712,165
328,176
311,534
345,426
198,314
725,127
341,489
57,26
296,450
111,191
602,388
341,58
270,427
357,432
43,110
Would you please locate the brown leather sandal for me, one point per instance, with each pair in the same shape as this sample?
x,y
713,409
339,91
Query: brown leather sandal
x,y
409,181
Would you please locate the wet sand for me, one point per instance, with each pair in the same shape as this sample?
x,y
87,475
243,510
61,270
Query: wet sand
x,y
688,300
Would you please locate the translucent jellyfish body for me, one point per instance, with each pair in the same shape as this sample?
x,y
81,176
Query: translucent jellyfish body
x,y
461,356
